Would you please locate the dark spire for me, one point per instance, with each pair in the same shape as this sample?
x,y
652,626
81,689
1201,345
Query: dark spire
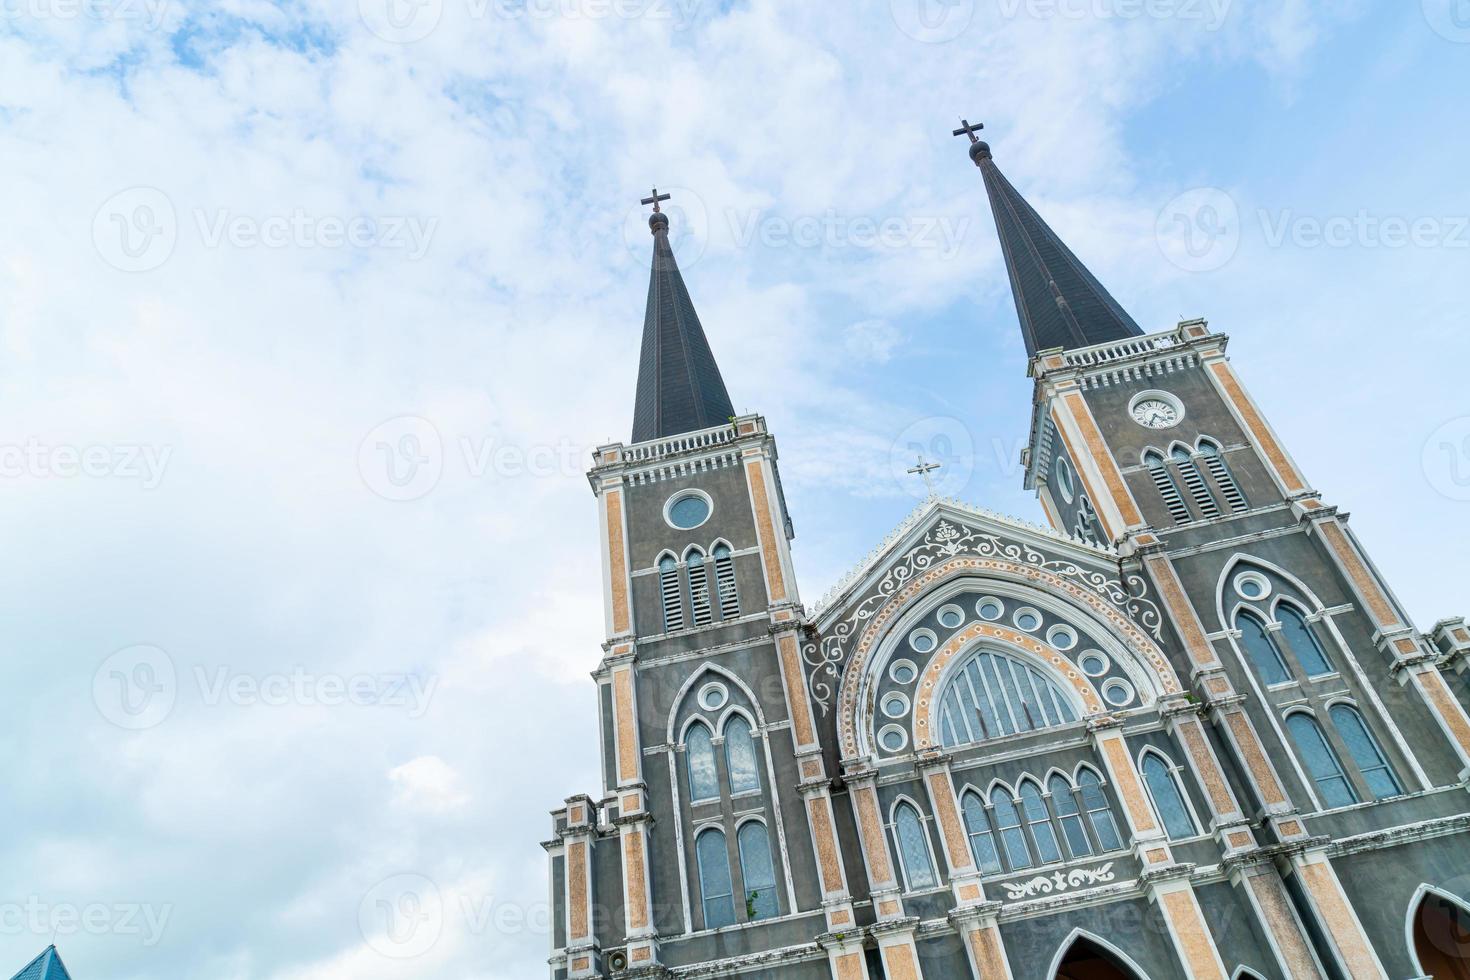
x,y
679,384
1060,303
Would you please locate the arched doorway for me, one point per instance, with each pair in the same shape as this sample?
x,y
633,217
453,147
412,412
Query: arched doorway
x,y
1087,960
1441,935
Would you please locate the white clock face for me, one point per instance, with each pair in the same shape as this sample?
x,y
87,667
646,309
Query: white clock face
x,y
1155,413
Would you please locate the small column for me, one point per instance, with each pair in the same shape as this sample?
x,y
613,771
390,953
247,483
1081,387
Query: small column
x,y
584,958
1101,477
1255,874
633,819
1340,924
894,930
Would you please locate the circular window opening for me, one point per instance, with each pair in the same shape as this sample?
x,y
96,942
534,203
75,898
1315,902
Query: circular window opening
x,y
951,616
990,609
893,738
903,671
923,640
1064,480
1093,664
687,511
1062,637
1117,692
1028,619
713,696
895,705
1252,585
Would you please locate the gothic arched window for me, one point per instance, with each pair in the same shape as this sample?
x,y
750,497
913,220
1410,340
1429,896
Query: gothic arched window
x,y
1063,801
1158,471
668,587
716,891
1095,802
740,756
699,588
1363,748
1039,821
699,751
725,581
1303,643
1163,786
757,871
1008,820
1220,472
982,838
1322,763
1203,499
913,848
993,694
1261,649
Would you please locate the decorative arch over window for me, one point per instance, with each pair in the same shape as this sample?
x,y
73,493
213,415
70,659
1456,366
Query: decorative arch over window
x,y
1219,471
1321,761
716,889
913,847
668,587
725,589
1303,642
758,871
699,756
1162,780
1158,471
1262,651
740,756
991,694
1365,751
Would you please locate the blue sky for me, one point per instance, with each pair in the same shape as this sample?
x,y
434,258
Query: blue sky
x,y
260,678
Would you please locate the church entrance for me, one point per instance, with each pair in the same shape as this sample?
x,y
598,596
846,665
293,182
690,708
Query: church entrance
x,y
1086,960
1442,938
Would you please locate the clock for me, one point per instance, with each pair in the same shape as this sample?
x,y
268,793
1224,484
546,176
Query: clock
x,y
1155,413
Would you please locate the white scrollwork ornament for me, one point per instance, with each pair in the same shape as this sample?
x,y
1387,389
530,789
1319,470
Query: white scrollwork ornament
x,y
1058,881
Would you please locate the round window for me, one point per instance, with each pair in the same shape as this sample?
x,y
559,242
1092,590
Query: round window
x,y
903,671
923,640
895,705
1028,619
893,738
1252,585
713,696
1117,692
1064,480
1093,664
687,511
951,616
1062,637
990,609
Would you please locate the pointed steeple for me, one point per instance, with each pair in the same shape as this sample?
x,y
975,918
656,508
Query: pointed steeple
x,y
47,966
679,383
1059,302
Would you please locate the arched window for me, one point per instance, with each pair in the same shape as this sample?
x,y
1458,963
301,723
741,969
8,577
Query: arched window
x,y
1095,802
1018,855
668,587
699,589
1220,473
1261,649
699,749
1040,822
740,756
1203,499
758,871
982,838
1303,643
1163,787
913,849
1168,489
993,694
1070,815
725,582
1322,763
715,889
1363,747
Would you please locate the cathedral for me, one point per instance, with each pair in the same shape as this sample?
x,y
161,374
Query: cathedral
x,y
1186,729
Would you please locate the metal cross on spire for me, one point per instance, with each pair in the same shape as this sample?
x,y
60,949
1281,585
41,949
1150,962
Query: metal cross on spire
x,y
923,468
654,200
968,129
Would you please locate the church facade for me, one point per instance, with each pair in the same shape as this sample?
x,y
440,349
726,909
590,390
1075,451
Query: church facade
x,y
1184,730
